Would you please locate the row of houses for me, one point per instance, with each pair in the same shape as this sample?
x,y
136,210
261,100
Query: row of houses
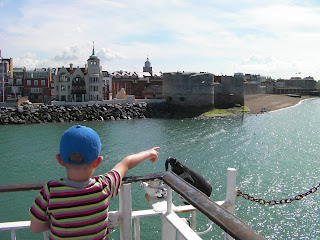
x,y
18,82
91,83
75,84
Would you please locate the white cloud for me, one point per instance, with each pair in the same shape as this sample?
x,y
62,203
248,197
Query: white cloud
x,y
277,36
68,54
28,55
4,2
78,29
267,65
109,55
25,61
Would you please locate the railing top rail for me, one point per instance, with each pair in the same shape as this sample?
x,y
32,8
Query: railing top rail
x,y
39,185
231,224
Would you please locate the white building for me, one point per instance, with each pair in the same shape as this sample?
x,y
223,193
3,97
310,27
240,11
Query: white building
x,y
80,84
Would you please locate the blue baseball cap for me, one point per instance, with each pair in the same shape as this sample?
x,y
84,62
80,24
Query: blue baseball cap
x,y
82,140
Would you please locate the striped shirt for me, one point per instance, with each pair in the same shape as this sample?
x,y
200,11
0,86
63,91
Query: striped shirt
x,y
74,211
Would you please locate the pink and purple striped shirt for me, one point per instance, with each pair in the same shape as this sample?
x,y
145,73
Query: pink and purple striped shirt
x,y
77,210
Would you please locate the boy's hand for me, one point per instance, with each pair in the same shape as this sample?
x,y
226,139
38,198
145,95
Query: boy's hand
x,y
154,154
135,159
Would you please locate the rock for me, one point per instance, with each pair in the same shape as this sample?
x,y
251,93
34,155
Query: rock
x,y
94,112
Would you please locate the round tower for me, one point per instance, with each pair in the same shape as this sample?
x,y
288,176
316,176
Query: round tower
x,y
147,66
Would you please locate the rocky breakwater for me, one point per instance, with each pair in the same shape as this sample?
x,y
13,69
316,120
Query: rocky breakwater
x,y
29,114
49,113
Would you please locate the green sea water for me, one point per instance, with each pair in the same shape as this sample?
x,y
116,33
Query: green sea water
x,y
276,156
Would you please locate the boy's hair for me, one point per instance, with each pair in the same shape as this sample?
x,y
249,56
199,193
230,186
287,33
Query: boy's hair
x,y
82,140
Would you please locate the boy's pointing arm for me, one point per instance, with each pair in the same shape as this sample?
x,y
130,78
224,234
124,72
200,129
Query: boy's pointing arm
x,y
134,160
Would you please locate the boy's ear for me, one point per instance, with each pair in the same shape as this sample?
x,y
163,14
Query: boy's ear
x,y
60,160
97,162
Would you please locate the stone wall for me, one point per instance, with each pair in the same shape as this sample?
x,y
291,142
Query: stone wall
x,y
254,88
29,114
189,89
229,92
49,113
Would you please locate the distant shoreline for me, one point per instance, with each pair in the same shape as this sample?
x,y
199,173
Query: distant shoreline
x,y
270,102
29,114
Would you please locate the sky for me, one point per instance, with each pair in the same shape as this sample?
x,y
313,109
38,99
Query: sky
x,y
274,38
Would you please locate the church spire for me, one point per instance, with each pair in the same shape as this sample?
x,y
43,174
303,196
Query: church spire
x,y
93,56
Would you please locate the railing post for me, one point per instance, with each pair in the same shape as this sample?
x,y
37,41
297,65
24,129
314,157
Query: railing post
x,y
13,234
193,220
230,194
125,209
45,235
169,200
168,232
137,228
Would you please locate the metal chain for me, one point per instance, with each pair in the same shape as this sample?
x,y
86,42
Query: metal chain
x,y
274,202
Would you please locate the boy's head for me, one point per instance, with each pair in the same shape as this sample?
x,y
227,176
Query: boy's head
x,y
81,140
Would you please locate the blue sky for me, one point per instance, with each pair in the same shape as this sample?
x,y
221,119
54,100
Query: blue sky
x,y
276,38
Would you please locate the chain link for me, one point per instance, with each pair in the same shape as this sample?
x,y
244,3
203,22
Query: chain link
x,y
275,202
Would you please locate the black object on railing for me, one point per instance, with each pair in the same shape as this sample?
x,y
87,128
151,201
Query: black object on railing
x,y
191,176
231,224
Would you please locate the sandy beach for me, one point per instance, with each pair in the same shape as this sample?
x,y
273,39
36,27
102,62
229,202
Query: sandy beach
x,y
270,102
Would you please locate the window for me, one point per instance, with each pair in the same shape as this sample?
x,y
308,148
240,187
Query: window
x,y
64,78
63,88
94,88
43,82
35,82
28,82
10,81
19,81
93,79
35,90
14,89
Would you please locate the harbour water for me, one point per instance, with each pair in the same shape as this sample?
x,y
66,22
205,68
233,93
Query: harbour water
x,y
276,156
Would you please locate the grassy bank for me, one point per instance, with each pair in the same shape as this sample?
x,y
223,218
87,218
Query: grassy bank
x,y
227,112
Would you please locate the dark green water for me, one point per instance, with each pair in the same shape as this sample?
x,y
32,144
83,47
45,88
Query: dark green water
x,y
276,156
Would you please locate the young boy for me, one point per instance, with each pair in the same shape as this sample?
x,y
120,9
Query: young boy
x,y
77,207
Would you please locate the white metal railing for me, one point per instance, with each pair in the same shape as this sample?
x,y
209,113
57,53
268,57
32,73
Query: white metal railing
x,y
13,226
173,227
